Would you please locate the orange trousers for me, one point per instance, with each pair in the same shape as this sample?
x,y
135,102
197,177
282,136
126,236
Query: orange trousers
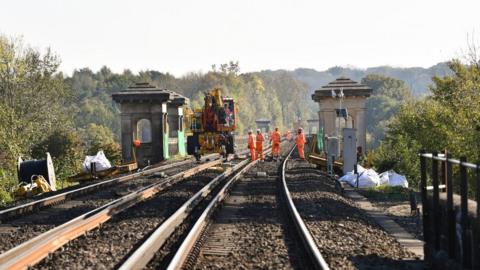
x,y
300,148
275,149
253,155
259,148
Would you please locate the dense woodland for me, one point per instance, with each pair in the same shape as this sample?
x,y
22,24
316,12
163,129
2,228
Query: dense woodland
x,y
43,110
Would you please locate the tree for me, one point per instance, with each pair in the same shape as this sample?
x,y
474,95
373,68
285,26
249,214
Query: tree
x,y
449,119
387,97
97,137
33,97
66,150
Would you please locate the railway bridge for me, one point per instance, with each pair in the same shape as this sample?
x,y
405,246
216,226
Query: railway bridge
x,y
228,212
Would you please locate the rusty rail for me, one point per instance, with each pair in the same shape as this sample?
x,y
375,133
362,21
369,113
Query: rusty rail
x,y
34,250
44,202
140,258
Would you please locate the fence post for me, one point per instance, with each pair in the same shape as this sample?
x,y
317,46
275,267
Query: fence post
x,y
443,170
450,210
477,220
423,191
466,262
436,204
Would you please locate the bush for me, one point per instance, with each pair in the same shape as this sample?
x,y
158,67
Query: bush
x,y
66,151
7,184
387,193
98,137
398,154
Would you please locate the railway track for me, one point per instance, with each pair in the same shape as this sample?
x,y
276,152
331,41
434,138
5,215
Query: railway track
x,y
247,215
52,198
346,236
24,222
32,251
246,225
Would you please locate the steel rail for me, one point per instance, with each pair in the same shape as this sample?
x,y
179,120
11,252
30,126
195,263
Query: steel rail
x,y
47,201
33,251
142,255
184,250
309,244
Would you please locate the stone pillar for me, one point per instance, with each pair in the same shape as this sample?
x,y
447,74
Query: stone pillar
x,y
361,129
127,136
157,132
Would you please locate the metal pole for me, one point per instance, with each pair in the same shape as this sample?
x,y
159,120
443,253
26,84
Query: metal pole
x,y
450,209
436,204
423,190
355,171
477,223
466,262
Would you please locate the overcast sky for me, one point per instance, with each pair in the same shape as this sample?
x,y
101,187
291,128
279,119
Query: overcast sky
x,y
179,36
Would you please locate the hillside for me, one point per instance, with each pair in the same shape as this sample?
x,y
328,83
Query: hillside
x,y
416,78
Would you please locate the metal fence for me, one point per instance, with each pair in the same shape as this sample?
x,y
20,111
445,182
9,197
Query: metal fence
x,y
447,224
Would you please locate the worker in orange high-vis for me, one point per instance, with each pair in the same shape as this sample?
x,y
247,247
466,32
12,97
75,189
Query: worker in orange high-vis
x,y
259,144
300,142
251,145
275,140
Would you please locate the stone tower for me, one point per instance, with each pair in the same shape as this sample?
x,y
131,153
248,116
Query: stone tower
x,y
355,95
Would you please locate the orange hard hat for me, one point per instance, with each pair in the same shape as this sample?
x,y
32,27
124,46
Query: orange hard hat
x,y
136,143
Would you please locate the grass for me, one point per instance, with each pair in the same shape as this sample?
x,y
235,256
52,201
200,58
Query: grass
x,y
387,193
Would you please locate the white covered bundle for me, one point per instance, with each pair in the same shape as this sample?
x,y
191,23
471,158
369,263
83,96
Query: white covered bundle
x,y
100,160
366,178
392,178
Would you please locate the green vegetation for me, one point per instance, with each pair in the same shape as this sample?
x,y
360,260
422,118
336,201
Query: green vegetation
x,y
448,119
33,102
387,97
273,95
387,193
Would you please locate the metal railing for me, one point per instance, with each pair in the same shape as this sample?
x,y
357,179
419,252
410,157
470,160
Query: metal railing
x,y
436,235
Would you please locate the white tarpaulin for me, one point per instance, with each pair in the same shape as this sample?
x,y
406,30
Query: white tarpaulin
x,y
392,178
366,178
100,160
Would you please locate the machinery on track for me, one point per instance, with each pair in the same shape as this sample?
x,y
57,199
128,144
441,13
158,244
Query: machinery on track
x,y
211,128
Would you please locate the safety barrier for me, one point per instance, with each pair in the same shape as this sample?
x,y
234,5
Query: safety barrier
x,y
451,224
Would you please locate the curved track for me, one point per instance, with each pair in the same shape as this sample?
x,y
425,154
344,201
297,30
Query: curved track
x,y
243,215
251,229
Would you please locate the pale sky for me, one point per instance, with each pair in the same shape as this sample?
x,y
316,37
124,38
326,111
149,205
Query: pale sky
x,y
179,36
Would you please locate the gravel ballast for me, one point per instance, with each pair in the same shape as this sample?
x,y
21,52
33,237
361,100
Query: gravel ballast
x,y
345,235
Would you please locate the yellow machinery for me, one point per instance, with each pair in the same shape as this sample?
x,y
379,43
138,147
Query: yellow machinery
x,y
211,127
38,186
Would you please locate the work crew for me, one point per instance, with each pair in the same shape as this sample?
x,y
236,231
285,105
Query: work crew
x,y
251,145
275,140
300,142
259,144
